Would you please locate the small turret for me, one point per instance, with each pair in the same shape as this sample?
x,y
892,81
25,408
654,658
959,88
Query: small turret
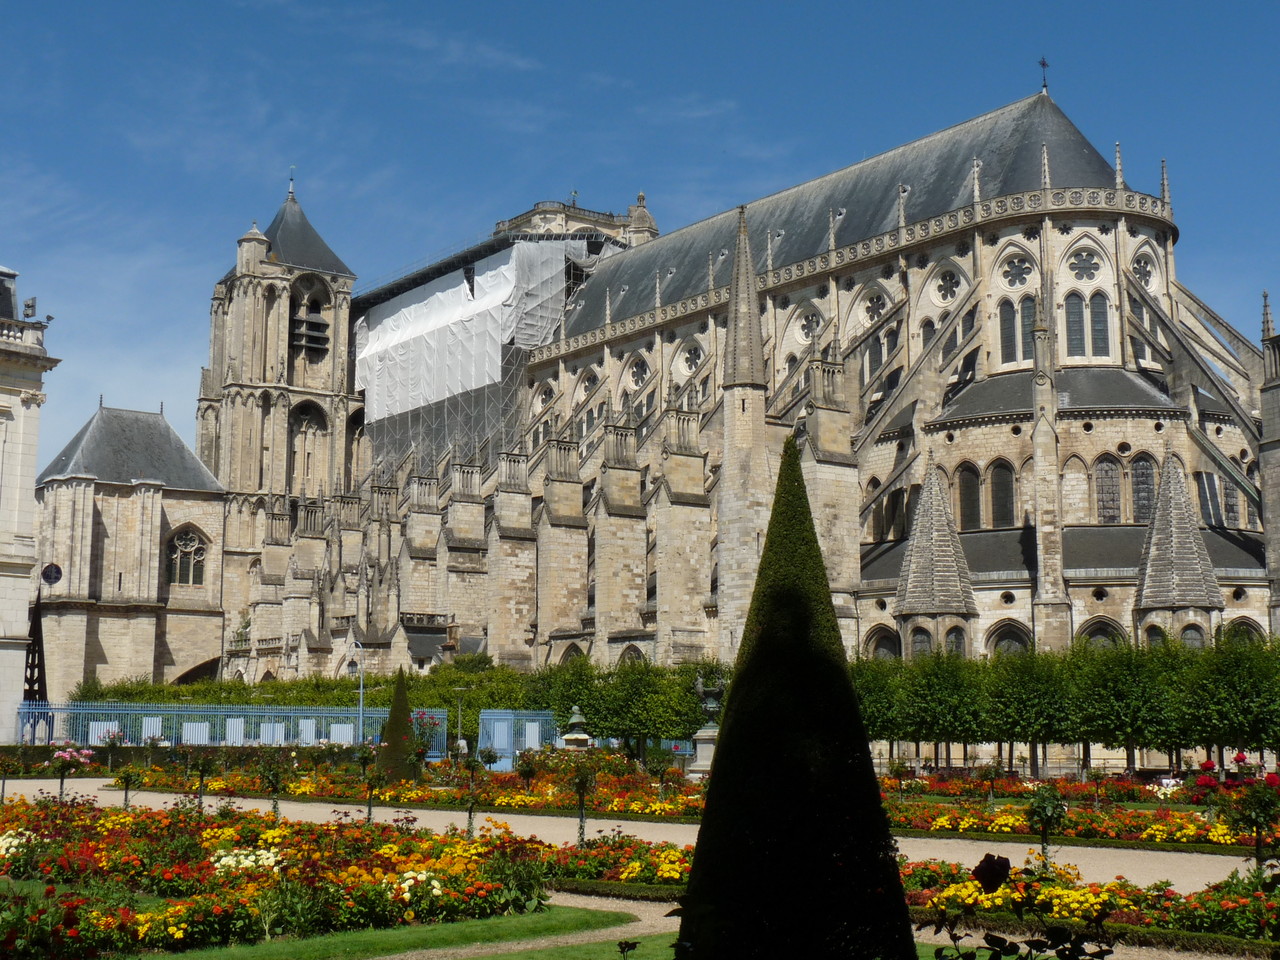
x,y
251,250
642,227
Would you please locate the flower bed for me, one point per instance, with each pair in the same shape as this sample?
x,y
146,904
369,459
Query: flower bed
x,y
616,789
1160,826
179,879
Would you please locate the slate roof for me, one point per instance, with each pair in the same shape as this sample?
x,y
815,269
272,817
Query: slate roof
x,y
294,241
985,551
938,169
1111,546
122,446
1176,570
1079,388
934,577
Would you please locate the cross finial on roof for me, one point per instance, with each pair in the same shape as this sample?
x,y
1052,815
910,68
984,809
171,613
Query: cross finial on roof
x,y
292,167
1044,75
99,401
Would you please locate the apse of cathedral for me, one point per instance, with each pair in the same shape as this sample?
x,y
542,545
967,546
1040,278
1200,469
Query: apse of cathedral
x,y
1018,428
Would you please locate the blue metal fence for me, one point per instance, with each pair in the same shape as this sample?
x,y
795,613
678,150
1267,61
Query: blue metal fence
x,y
507,732
199,724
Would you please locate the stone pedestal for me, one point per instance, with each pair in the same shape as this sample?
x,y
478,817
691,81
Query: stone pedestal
x,y
704,748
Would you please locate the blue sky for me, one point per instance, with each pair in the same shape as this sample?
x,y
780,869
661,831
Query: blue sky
x,y
143,138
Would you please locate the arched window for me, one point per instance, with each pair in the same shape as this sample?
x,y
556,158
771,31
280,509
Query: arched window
x,y
1230,502
877,513
921,642
1028,310
631,655
1099,326
970,492
1008,333
1106,482
1193,637
886,646
927,332
791,362
1010,640
955,640
186,556
1101,634
875,356
1251,512
895,514
1156,637
890,340
1002,499
571,652
1075,326
1139,314
1142,475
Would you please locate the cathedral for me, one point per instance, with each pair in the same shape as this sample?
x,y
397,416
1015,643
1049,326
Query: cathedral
x,y
1018,428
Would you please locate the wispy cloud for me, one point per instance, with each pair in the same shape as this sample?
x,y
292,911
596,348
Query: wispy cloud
x,y
686,107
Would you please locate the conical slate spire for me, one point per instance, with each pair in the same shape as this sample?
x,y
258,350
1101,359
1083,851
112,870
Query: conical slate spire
x,y
935,576
295,241
1176,571
743,348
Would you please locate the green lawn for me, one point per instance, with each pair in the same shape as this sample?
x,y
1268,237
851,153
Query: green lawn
x,y
363,944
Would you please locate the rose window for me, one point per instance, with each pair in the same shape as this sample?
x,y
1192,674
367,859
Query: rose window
x,y
639,373
589,383
875,307
948,284
1143,271
1016,271
547,395
1084,265
809,325
692,358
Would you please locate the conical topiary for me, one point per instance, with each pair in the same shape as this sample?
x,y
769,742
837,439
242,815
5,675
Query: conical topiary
x,y
396,757
794,856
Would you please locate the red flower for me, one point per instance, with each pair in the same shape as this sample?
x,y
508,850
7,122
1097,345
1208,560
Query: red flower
x,y
1272,780
1239,757
1208,765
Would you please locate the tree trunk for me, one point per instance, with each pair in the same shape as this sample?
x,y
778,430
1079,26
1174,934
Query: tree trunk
x,y
1035,759
1086,756
1131,757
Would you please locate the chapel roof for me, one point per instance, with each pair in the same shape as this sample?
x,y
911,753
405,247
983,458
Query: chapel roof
x,y
935,573
295,241
1086,549
125,446
1079,388
1176,569
938,169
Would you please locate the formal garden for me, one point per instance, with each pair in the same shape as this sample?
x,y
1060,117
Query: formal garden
x,y
796,739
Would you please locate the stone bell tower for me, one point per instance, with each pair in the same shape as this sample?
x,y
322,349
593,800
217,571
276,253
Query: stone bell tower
x,y
277,414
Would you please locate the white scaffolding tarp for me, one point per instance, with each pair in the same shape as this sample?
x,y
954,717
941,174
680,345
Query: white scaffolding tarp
x,y
442,339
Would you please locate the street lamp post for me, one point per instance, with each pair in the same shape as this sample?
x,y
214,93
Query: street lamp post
x,y
459,691
359,664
